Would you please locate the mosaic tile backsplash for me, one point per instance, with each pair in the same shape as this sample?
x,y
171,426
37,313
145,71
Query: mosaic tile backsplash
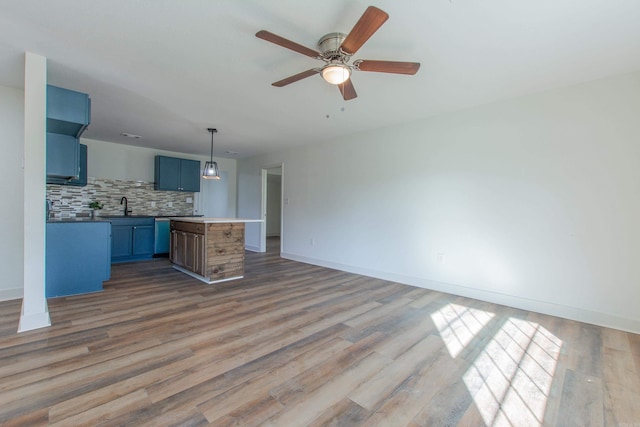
x,y
69,201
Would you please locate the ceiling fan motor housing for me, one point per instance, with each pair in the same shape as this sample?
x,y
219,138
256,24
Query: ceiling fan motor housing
x,y
329,45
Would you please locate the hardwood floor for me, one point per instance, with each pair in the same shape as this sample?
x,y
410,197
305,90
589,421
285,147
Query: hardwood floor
x,y
296,345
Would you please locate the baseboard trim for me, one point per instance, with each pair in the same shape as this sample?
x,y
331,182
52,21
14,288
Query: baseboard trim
x,y
543,307
206,280
9,294
252,248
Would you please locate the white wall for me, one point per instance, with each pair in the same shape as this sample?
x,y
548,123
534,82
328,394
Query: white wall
x,y
11,189
533,202
129,163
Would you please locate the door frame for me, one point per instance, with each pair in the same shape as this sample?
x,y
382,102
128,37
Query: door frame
x,y
263,206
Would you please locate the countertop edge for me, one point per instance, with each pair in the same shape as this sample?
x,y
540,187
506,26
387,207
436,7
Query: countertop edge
x,y
214,220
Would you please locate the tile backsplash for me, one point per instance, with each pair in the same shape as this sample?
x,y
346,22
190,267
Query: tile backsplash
x,y
69,201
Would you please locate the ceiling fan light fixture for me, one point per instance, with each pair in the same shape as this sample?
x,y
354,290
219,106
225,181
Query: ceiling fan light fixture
x,y
211,170
335,73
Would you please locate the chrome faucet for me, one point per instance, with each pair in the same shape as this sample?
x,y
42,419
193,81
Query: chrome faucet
x,y
127,211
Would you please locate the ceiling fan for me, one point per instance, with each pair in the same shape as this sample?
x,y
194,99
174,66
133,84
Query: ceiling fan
x,y
336,50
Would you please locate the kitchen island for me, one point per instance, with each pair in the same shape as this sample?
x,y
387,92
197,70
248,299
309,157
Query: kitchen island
x,y
209,249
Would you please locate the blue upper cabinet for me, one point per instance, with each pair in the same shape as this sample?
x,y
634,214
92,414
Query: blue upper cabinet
x,y
57,157
68,115
63,157
68,111
173,174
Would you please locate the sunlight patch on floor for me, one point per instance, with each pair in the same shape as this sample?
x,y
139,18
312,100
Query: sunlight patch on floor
x,y
511,378
458,325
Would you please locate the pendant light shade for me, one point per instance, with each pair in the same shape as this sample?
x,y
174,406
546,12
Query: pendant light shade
x,y
211,170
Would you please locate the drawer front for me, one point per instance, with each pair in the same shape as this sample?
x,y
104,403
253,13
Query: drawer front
x,y
189,227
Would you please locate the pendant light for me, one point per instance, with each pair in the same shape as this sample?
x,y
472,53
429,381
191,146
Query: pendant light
x,y
211,168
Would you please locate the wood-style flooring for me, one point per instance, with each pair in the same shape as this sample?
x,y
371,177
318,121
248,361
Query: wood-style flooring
x,y
298,345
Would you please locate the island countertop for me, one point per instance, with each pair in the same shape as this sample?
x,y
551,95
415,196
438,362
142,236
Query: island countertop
x,y
209,220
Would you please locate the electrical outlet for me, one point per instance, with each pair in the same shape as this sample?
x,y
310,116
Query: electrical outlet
x,y
169,204
189,199
286,200
442,258
153,204
312,241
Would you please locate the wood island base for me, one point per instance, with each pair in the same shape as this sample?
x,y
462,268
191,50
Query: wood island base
x,y
208,249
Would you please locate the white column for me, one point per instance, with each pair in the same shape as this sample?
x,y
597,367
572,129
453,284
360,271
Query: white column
x,y
35,313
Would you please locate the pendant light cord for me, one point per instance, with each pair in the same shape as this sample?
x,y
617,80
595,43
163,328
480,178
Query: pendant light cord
x,y
212,130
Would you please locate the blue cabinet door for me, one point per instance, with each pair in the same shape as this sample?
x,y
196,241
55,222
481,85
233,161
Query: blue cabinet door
x,y
81,181
189,175
143,238
121,246
77,257
167,173
63,156
68,111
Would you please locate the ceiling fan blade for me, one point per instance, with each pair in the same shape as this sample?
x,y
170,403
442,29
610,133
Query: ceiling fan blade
x,y
281,41
369,22
347,90
296,77
394,67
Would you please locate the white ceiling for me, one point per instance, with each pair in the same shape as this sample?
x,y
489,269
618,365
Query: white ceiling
x,y
168,69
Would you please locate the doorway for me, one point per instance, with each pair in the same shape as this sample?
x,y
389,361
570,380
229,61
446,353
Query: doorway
x,y
272,212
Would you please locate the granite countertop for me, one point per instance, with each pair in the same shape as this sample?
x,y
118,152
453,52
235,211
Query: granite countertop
x,y
205,220
78,219
108,218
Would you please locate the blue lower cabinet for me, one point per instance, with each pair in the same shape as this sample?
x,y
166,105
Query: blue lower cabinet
x,y
132,239
78,257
